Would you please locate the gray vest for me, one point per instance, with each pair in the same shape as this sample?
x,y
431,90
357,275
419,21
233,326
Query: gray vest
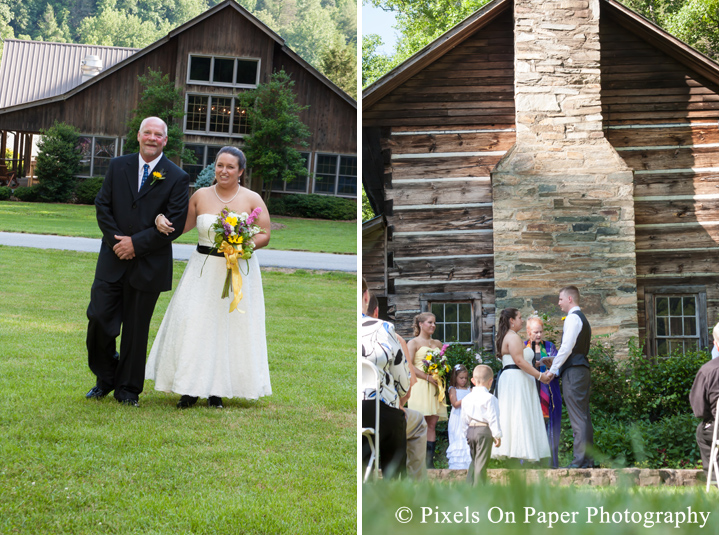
x,y
578,356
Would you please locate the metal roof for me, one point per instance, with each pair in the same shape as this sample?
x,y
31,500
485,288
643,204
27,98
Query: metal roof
x,y
34,70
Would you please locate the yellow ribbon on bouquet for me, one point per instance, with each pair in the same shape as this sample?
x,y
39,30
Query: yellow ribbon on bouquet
x,y
232,256
440,387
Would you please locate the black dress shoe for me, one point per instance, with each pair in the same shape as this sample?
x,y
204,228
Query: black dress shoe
x,y
130,402
186,402
97,393
214,401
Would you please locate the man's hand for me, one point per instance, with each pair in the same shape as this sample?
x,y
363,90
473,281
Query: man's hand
x,y
548,376
497,441
124,248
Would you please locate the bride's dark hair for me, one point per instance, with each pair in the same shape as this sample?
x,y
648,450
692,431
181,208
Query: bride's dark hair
x,y
241,161
504,317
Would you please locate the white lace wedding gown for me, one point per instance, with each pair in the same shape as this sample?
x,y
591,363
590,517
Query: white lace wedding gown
x,y
524,435
201,348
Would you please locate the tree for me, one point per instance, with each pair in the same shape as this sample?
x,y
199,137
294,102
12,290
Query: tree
x,y
339,63
58,161
697,24
6,31
49,29
159,98
276,132
367,212
374,64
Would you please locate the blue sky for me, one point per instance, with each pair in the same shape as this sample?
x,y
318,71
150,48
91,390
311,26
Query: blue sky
x,y
375,20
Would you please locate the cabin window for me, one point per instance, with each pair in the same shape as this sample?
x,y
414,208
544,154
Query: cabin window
x,y
336,174
204,156
676,320
458,315
297,184
223,71
215,115
96,153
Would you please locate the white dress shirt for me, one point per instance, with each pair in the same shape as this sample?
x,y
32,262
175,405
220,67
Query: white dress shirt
x,y
140,172
482,406
570,332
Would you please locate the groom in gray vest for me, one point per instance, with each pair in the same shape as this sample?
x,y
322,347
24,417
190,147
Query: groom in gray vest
x,y
572,364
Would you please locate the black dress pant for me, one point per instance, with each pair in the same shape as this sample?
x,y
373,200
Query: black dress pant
x,y
392,438
113,306
704,441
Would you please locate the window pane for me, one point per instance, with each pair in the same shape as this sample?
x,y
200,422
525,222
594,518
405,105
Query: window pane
x,y
196,113
662,347
220,114
690,345
465,332
194,170
278,184
85,144
104,152
690,326
676,345
662,306
239,123
200,69
439,333
223,70
347,183
212,154
675,327
299,183
438,311
451,312
246,72
450,331
690,306
325,173
662,326
675,306
465,312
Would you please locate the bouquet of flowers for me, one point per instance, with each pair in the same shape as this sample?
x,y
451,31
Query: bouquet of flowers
x,y
435,364
233,233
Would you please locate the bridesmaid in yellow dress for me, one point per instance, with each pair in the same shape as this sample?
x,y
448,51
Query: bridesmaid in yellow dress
x,y
424,392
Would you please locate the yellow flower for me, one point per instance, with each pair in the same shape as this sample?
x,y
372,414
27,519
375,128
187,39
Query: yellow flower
x,y
231,220
235,239
156,175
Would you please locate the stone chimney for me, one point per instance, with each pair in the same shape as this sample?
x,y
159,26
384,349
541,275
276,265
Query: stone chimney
x,y
562,196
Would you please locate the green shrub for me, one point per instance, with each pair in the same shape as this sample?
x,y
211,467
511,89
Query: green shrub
x,y
314,206
58,161
206,177
28,194
5,193
87,190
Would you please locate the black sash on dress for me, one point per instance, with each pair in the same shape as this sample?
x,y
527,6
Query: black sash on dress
x,y
204,249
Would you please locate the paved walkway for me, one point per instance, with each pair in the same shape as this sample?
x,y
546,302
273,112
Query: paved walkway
x,y
266,257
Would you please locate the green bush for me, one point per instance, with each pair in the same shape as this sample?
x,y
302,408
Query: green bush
x,y
87,190
314,206
5,193
58,161
28,194
206,177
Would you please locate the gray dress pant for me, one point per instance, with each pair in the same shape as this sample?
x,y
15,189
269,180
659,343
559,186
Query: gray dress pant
x,y
480,443
576,384
416,444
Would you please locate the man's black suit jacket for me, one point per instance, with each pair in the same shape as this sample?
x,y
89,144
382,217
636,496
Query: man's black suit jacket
x,y
123,211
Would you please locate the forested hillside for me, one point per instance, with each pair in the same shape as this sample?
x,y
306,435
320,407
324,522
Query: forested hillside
x,y
324,32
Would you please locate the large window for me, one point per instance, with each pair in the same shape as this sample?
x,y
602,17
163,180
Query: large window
x,y
223,71
676,319
96,154
296,185
204,156
458,315
336,174
215,115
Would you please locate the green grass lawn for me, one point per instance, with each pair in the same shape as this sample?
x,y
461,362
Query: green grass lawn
x,y
283,464
313,235
520,509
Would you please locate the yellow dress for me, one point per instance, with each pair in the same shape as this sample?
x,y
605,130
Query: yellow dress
x,y
424,393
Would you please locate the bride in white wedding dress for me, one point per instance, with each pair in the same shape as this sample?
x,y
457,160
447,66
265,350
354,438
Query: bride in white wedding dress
x,y
202,349
524,435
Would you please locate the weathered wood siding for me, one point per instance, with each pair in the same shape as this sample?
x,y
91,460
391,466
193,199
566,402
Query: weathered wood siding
x,y
662,119
449,125
374,256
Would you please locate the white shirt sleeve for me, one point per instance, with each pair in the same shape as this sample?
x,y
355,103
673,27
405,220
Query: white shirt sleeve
x,y
493,417
570,332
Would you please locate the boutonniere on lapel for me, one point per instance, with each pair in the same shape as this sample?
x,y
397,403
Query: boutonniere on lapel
x,y
157,176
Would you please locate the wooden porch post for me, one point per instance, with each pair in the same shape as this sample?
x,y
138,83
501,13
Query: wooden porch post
x,y
20,153
16,142
3,145
27,167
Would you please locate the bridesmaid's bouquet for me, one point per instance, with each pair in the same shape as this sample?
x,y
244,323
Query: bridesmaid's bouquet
x,y
435,364
233,233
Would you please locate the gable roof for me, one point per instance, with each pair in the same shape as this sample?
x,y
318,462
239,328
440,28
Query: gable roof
x,y
227,4
634,22
34,70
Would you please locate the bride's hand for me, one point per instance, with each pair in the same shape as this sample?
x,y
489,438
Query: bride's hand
x,y
164,225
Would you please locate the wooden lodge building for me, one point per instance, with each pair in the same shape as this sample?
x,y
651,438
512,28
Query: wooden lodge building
x,y
211,58
539,144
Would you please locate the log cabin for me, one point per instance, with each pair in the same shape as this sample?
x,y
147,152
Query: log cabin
x,y
541,144
211,58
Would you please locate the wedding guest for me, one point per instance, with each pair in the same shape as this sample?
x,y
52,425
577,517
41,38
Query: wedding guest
x,y
459,387
135,261
520,413
703,399
381,346
426,393
549,394
480,423
373,307
202,349
572,364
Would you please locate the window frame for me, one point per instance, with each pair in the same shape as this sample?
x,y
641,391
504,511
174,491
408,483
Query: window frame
x,y
203,164
650,295
232,84
207,132
338,159
118,142
473,298
307,178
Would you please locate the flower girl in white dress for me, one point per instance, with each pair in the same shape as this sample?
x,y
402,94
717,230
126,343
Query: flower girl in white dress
x,y
458,451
